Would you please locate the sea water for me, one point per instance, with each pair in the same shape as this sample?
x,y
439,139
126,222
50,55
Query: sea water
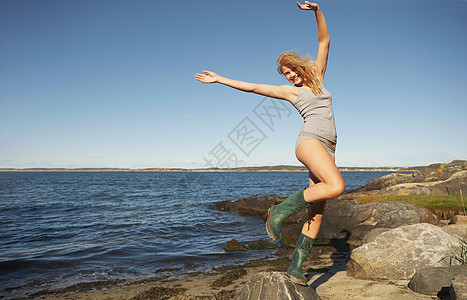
x,y
58,229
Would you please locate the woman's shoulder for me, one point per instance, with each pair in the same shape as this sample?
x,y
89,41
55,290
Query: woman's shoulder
x,y
291,91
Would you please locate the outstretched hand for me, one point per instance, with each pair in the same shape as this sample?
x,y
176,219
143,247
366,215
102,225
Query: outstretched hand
x,y
207,77
308,6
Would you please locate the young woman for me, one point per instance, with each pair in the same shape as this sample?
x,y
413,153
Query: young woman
x,y
316,142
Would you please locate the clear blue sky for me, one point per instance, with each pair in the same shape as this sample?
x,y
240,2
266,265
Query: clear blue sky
x,y
111,83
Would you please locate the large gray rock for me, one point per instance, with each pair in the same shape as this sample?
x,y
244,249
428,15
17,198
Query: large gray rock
x,y
274,286
398,253
435,280
345,217
459,287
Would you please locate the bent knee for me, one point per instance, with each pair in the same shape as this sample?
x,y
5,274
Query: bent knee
x,y
336,189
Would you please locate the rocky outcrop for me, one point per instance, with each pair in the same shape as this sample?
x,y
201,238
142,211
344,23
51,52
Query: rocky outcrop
x,y
451,186
399,253
343,218
435,280
273,286
436,179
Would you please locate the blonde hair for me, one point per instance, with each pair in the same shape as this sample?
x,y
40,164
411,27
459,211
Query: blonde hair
x,y
304,66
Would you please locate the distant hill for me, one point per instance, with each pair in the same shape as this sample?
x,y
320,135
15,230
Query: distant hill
x,y
279,168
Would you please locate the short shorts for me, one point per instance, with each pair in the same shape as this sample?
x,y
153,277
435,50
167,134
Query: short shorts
x,y
304,136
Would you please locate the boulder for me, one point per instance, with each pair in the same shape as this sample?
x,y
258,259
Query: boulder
x,y
398,253
458,289
441,171
234,245
341,218
273,286
435,280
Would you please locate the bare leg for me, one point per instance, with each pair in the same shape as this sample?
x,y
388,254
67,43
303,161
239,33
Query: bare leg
x,y
328,182
325,182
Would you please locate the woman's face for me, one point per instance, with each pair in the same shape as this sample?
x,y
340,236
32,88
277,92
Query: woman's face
x,y
293,75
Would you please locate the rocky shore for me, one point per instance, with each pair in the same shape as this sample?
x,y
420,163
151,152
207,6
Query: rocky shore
x,y
381,250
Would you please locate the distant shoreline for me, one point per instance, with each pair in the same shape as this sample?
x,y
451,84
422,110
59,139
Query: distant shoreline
x,y
239,169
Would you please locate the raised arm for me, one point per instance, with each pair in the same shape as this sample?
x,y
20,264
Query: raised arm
x,y
284,92
323,36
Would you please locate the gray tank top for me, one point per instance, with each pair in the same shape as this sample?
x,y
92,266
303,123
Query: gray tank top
x,y
318,117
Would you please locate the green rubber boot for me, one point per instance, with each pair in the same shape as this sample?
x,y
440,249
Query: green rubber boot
x,y
302,250
278,213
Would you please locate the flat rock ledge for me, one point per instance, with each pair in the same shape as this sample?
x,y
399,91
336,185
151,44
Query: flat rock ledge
x,y
274,286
